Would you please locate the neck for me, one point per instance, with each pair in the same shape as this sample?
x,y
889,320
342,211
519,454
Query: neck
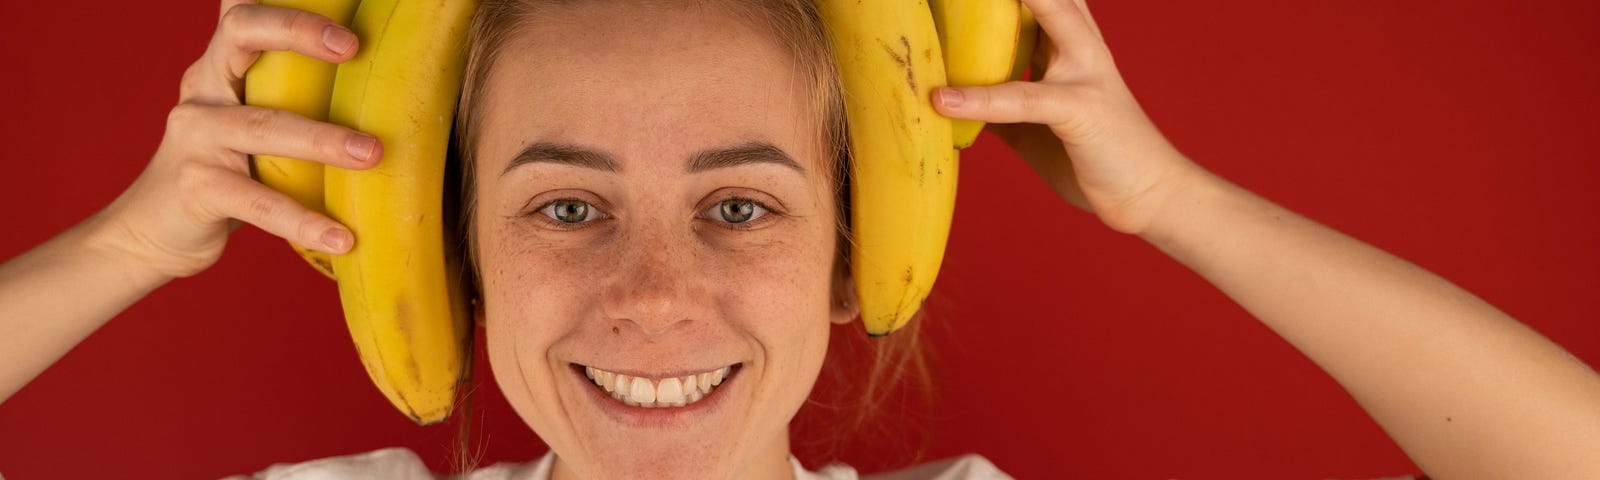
x,y
770,463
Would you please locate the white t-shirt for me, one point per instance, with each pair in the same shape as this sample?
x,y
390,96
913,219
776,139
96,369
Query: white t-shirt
x,y
399,463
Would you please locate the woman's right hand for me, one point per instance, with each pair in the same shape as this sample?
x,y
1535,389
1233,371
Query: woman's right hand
x,y
176,217
1077,123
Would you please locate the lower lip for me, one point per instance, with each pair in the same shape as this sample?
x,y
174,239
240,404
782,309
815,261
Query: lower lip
x,y
662,418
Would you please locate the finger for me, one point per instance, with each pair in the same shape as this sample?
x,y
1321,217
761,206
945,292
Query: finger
x,y
199,83
1010,102
1066,25
241,198
1044,49
269,131
229,4
249,29
245,30
1088,17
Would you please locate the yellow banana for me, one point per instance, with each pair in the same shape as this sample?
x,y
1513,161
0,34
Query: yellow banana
x,y
300,84
903,171
979,40
1027,38
400,284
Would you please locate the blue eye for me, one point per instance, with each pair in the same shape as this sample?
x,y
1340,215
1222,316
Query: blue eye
x,y
737,210
570,211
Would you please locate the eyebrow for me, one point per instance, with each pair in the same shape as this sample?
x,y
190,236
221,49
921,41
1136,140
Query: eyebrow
x,y
710,159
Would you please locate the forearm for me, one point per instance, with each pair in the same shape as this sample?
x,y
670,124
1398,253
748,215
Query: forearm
x,y
55,295
1464,389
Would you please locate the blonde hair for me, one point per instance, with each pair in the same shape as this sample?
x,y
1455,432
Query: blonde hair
x,y
889,362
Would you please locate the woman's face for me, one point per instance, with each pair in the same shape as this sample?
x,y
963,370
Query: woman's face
x,y
653,202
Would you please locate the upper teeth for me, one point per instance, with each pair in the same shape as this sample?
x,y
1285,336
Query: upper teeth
x,y
668,392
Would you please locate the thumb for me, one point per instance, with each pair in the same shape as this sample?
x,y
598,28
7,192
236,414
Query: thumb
x,y
1010,102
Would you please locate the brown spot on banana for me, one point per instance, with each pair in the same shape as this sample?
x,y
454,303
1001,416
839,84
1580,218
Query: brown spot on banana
x,y
911,78
899,118
898,59
904,61
403,320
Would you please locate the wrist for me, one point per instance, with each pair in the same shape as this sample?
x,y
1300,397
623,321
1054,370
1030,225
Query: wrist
x,y
1190,188
114,246
1141,214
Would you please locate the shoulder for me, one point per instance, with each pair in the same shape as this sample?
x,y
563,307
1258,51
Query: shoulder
x,y
964,467
393,463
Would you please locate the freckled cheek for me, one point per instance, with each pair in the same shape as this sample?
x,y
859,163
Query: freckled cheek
x,y
778,288
538,284
779,297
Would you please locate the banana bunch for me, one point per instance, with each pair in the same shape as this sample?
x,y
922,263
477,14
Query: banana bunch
x,y
401,285
980,40
902,169
290,81
891,55
1027,39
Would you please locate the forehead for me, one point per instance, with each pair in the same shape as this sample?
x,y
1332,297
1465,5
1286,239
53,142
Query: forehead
x,y
645,83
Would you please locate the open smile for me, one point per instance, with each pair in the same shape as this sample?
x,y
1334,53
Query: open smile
x,y
667,391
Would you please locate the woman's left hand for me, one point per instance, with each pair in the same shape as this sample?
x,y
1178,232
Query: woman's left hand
x,y
1078,125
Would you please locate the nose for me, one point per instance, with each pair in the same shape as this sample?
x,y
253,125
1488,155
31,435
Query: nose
x,y
657,285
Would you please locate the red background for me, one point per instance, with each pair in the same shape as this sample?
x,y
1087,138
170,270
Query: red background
x,y
1464,136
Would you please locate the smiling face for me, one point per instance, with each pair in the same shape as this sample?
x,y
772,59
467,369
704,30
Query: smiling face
x,y
653,201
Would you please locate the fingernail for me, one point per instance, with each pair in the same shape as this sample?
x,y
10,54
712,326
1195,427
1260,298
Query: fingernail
x,y
951,97
338,39
337,239
360,146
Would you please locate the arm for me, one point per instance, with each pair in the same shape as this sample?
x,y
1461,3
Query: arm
x,y
1465,390
55,295
174,220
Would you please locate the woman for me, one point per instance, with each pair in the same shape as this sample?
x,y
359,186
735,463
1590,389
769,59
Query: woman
x,y
630,263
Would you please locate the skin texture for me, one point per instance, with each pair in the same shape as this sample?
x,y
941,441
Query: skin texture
x,y
660,284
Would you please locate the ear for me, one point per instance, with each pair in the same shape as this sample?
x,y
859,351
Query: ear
x,y
477,312
844,308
